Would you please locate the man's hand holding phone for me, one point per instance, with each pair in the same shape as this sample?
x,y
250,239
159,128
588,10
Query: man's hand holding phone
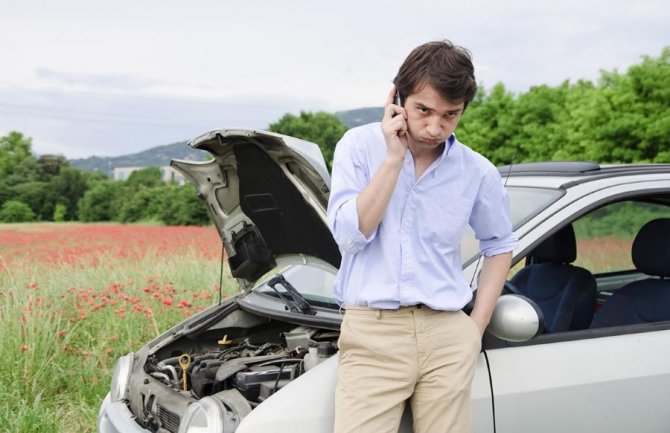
x,y
394,126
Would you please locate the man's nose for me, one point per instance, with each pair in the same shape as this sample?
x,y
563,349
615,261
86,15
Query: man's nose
x,y
433,127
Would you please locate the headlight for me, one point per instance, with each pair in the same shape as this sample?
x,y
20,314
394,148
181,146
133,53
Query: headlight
x,y
206,415
121,377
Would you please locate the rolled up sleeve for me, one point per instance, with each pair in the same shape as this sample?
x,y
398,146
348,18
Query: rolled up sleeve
x,y
490,218
349,178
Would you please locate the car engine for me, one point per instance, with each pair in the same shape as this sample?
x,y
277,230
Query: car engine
x,y
241,369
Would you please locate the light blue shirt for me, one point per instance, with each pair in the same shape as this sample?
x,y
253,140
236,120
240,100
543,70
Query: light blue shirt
x,y
413,256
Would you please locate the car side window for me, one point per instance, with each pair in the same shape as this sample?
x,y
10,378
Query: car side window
x,y
571,292
605,236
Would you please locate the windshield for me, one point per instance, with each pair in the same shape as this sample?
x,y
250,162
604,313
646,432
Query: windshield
x,y
524,202
312,277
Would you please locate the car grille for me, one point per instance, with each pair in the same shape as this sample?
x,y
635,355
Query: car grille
x,y
149,404
168,419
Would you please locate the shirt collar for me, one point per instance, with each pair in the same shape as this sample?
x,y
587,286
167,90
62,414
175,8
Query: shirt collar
x,y
448,144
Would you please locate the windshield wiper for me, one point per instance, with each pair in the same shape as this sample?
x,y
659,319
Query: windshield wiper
x,y
296,303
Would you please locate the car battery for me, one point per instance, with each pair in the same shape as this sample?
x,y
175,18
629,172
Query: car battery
x,y
249,381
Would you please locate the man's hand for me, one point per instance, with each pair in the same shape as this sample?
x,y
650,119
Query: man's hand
x,y
375,197
394,127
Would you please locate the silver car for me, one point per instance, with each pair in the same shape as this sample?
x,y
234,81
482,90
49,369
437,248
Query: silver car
x,y
579,342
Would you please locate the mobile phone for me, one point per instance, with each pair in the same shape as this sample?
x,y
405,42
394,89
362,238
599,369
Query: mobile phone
x,y
398,100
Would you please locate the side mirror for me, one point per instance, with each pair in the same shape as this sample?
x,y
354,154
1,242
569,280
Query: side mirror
x,y
516,318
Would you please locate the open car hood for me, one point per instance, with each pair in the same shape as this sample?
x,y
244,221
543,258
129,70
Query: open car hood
x,y
267,195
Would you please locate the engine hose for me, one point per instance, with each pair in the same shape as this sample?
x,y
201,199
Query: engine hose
x,y
280,360
161,376
171,369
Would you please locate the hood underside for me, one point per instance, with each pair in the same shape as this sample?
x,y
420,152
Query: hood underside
x,y
267,195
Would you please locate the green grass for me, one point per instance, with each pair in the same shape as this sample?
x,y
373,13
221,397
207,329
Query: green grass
x,y
64,326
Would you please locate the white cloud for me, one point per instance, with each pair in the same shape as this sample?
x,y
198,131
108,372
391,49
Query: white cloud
x,y
102,77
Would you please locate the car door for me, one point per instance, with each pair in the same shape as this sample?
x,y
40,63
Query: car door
x,y
584,382
611,380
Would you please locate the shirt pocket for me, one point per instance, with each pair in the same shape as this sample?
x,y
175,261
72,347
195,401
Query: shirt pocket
x,y
445,219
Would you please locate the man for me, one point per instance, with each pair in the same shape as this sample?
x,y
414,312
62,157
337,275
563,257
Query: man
x,y
403,192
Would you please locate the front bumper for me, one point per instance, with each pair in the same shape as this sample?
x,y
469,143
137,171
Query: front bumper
x,y
117,418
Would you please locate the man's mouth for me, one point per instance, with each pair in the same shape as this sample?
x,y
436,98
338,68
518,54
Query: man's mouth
x,y
432,141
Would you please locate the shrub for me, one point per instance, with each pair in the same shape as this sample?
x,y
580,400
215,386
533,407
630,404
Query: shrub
x,y
60,212
15,211
102,202
180,205
140,205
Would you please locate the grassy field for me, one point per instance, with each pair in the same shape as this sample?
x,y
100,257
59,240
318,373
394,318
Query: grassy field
x,y
74,297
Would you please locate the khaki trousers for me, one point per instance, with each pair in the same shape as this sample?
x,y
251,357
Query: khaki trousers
x,y
387,357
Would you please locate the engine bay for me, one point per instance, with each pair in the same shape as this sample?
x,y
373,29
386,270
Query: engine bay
x,y
256,370
241,366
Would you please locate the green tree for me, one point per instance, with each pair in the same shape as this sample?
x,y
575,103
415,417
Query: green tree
x,y
582,104
69,186
146,177
488,125
101,202
540,123
15,211
180,205
321,128
14,148
141,193
25,170
650,83
5,192
623,118
50,166
60,212
607,121
142,205
39,196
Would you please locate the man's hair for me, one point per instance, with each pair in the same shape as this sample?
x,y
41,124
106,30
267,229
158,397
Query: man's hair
x,y
443,65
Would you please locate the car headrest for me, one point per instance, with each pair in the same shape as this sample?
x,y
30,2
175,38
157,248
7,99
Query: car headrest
x,y
561,247
651,248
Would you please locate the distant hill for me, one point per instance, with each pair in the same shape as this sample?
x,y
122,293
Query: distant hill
x,y
154,157
161,155
361,116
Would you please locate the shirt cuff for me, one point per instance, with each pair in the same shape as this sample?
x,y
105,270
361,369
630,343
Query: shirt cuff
x,y
351,239
494,247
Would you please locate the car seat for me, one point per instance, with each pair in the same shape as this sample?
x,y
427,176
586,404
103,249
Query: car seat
x,y
647,300
565,293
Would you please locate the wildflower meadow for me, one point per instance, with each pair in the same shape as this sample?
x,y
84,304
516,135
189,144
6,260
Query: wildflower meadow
x,y
75,297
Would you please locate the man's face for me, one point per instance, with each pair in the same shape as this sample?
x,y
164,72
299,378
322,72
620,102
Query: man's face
x,y
431,119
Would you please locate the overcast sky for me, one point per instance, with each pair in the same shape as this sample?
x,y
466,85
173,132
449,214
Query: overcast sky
x,y
85,77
